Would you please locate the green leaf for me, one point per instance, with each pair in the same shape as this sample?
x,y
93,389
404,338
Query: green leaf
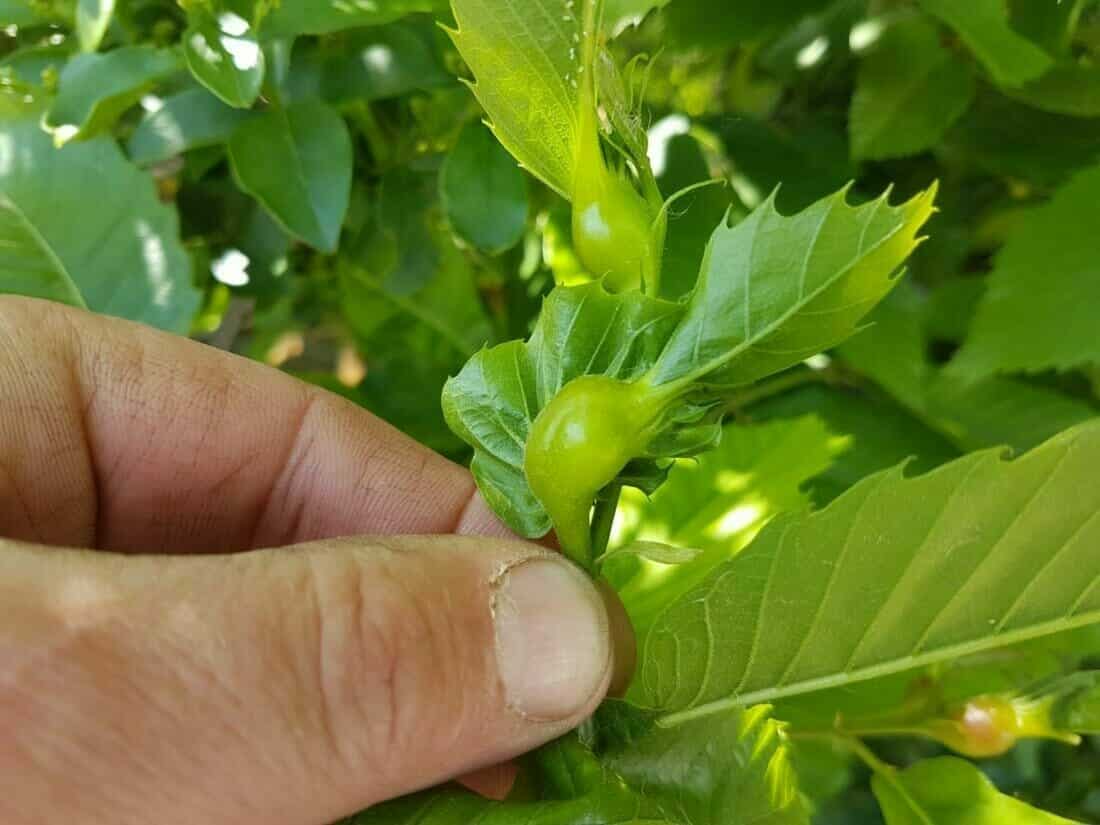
x,y
1051,25
92,19
22,13
493,401
717,23
619,14
1038,312
411,299
639,773
95,89
775,290
526,58
718,503
654,551
877,435
188,120
897,573
909,91
29,63
950,791
291,19
378,63
483,191
121,257
983,25
893,352
297,163
1077,706
1067,89
805,166
224,55
997,136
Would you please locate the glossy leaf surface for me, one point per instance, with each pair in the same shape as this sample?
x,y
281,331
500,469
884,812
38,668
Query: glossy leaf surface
x,y
123,257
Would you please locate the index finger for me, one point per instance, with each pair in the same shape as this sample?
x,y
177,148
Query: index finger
x,y
114,435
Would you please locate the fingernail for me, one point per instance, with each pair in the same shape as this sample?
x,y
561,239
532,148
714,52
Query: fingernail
x,y
553,640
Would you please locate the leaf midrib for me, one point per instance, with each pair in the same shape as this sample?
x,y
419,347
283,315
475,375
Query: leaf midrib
x,y
715,364
887,668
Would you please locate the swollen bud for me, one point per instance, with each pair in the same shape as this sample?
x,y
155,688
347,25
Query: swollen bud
x,y
617,233
614,230
990,726
578,444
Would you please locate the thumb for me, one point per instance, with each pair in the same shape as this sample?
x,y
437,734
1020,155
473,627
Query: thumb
x,y
287,686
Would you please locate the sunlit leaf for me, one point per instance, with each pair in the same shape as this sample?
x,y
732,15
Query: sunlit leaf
x,y
895,574
122,257
95,89
1038,311
950,791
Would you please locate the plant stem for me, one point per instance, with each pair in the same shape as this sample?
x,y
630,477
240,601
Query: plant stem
x,y
603,518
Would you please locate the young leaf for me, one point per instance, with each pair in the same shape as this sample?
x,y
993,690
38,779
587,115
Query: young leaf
x,y
92,19
1046,281
896,574
95,89
775,290
983,25
527,60
483,191
951,791
297,162
909,91
638,773
187,120
224,55
122,257
492,403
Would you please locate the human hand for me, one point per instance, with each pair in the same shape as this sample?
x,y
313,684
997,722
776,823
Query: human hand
x,y
173,677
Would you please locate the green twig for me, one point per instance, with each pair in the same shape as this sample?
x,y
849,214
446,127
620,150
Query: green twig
x,y
602,520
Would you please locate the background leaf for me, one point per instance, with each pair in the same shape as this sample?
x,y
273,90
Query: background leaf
x,y
638,773
297,163
191,119
122,257
328,16
983,25
224,55
909,91
95,89
1037,312
92,19
483,191
949,791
